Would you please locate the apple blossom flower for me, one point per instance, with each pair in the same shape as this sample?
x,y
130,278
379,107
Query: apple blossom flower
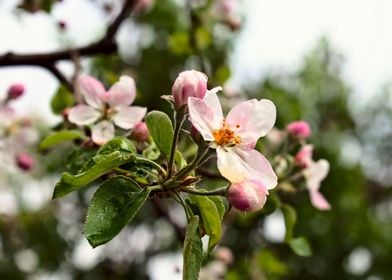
x,y
106,107
314,173
247,196
235,136
299,129
189,83
15,91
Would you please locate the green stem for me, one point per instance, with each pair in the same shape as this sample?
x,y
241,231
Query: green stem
x,y
188,212
155,188
201,155
220,191
178,121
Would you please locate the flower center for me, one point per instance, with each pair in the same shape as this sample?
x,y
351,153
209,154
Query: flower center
x,y
225,136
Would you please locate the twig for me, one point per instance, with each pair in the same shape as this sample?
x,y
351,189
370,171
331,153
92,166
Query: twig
x,y
48,60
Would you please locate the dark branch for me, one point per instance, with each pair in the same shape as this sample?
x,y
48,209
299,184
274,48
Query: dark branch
x,y
113,27
48,60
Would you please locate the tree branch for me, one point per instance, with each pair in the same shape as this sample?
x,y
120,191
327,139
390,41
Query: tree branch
x,y
48,60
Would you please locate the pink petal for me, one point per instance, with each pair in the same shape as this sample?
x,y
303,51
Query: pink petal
x,y
315,173
202,117
128,117
83,115
212,100
304,156
252,119
93,91
318,200
102,132
238,164
122,93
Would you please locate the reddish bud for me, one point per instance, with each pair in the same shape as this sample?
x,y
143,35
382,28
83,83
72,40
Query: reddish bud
x,y
247,196
15,91
189,84
25,161
299,129
140,132
62,25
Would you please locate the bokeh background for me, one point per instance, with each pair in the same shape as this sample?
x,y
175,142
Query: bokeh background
x,y
328,63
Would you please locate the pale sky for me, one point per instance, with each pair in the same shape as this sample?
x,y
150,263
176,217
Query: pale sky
x,y
276,35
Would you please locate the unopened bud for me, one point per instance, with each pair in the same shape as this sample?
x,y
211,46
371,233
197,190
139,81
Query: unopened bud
x,y
299,129
224,254
15,91
247,196
140,132
25,161
189,84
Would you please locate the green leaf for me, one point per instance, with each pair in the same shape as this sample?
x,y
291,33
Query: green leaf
x,y
118,144
179,159
161,130
144,170
59,137
301,247
113,206
290,218
78,158
221,204
152,152
193,251
100,165
61,100
211,219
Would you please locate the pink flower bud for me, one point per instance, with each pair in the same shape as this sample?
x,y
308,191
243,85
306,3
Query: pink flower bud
x,y
299,129
247,196
15,91
189,84
224,254
25,161
140,132
304,156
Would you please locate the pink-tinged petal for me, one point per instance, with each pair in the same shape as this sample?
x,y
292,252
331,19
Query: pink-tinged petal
x,y
251,120
122,93
215,90
128,117
93,91
237,165
318,200
212,100
304,156
102,132
315,173
83,115
202,117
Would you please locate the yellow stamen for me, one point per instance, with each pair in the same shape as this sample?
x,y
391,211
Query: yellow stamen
x,y
225,136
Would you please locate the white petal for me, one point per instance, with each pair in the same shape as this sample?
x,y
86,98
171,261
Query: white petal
x,y
93,91
315,173
212,100
102,132
252,119
83,115
201,116
122,93
237,165
128,117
